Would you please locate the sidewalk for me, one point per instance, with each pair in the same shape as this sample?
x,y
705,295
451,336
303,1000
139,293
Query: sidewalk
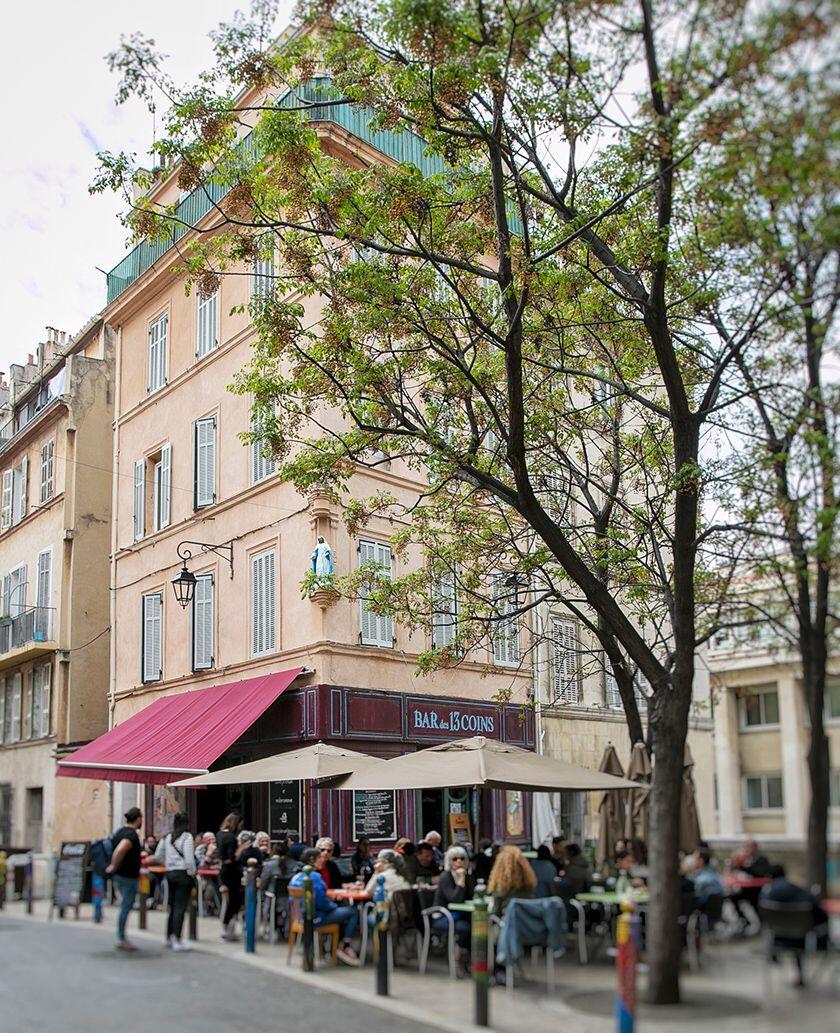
x,y
730,993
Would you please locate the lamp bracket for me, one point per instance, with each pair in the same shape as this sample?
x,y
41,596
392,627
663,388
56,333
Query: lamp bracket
x,y
224,551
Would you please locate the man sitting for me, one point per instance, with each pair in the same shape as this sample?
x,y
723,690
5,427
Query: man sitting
x,y
435,839
704,878
422,867
781,891
326,911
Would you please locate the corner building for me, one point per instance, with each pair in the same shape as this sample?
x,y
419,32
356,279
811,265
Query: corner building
x,y
183,474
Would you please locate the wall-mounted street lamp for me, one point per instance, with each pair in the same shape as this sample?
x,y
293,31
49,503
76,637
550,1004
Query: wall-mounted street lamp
x,y
184,584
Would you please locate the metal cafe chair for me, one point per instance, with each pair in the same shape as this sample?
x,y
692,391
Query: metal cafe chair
x,y
788,929
427,914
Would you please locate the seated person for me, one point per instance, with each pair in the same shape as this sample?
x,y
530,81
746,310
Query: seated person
x,y
327,912
512,876
454,887
434,839
404,847
784,892
422,867
558,852
577,871
705,879
330,872
389,864
483,860
246,851
545,872
360,860
205,851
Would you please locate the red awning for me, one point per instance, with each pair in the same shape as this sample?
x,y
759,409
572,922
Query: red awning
x,y
179,735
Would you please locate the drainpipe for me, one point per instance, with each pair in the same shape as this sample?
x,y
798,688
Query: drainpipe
x,y
112,570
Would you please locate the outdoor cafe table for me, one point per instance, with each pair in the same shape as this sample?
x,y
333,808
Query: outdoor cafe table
x,y
615,899
831,905
353,894
732,882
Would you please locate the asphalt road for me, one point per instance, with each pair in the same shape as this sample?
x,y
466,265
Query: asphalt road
x,y
59,978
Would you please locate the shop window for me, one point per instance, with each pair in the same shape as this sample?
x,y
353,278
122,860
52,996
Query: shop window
x,y
759,708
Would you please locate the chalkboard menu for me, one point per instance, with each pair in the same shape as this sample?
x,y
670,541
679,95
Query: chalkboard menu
x,y
283,809
70,875
375,814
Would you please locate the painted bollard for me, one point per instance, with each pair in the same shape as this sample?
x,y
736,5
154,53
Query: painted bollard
x,y
308,921
381,912
627,957
29,883
251,906
192,913
143,890
480,950
97,895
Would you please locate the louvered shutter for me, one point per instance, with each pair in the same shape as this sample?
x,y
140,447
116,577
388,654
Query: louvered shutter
x,y
206,324
2,710
7,594
262,280
164,482
612,697
157,352
152,637
33,711
47,471
564,675
43,593
205,462
8,483
262,466
17,590
139,499
203,622
375,630
17,701
506,636
263,603
46,698
444,610
19,490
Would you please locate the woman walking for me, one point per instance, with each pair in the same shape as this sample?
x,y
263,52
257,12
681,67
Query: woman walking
x,y
177,854
230,874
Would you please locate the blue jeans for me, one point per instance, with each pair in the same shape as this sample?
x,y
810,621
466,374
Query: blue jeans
x,y
128,891
463,928
347,917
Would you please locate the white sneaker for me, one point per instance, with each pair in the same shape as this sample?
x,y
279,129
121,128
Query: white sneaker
x,y
180,945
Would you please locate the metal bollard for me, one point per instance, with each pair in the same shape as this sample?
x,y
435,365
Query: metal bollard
x,y
143,889
308,921
192,913
480,950
29,883
627,940
251,907
2,879
381,910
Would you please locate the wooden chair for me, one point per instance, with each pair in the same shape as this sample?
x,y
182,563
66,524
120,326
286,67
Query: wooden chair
x,y
296,926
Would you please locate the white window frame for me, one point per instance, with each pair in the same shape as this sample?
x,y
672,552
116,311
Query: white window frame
x,y
507,632
203,616
445,609
264,602
262,277
47,456
8,490
151,612
139,499
158,335
20,490
43,594
206,324
612,696
762,778
204,462
763,724
563,667
374,629
162,482
16,680
9,590
262,466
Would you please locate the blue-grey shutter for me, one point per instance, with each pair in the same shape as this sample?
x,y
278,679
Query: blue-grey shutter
x,y
204,473
164,485
203,622
152,637
139,499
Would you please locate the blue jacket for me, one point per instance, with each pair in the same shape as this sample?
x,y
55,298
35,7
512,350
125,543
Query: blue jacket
x,y
530,923
323,905
706,884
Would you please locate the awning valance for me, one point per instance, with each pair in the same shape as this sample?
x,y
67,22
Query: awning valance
x,y
178,736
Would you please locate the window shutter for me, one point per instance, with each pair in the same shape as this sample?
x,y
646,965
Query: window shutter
x,y
152,637
17,590
612,697
204,474
506,636
46,698
564,675
33,717
47,471
157,353
262,278
139,498
8,480
2,710
43,594
263,603
7,594
262,466
19,485
206,324
444,610
164,488
374,629
203,623
17,699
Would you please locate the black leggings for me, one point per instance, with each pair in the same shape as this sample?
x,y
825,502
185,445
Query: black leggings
x,y
231,877
180,889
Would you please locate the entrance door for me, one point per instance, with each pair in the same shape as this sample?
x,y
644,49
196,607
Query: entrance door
x,y
432,813
35,818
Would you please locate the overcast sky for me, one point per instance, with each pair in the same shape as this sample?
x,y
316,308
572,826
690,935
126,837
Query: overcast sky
x,y
58,111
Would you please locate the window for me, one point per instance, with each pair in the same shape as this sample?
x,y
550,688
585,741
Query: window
x,y
5,811
202,623
506,631
762,792
263,603
2,710
34,816
14,591
38,714
47,471
43,596
14,703
834,788
204,462
556,497
162,481
157,352
152,644
444,610
15,494
832,699
207,324
612,697
374,629
262,277
565,685
139,499
8,476
642,690
759,707
262,465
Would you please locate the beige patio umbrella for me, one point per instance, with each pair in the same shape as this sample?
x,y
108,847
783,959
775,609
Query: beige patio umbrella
x,y
689,819
637,816
310,762
479,762
611,809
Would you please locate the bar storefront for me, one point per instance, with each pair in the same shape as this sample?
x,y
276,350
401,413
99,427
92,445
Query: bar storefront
x,y
382,724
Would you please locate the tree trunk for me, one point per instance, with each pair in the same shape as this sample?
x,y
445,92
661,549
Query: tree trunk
x,y
669,727
814,656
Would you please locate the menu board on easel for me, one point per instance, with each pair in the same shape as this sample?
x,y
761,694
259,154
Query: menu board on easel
x,y
375,814
284,810
70,871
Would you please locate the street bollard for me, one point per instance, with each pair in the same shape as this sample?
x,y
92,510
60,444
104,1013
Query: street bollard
x,y
627,957
2,879
251,906
480,950
97,895
308,921
29,883
192,913
381,910
143,890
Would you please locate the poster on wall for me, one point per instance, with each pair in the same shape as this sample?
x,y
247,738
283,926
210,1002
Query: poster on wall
x,y
459,829
375,814
167,801
284,810
514,814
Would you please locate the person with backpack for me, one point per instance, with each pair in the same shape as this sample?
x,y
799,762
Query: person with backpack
x,y
176,852
100,857
125,870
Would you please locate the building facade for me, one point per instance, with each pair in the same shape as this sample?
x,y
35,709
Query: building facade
x,y
55,465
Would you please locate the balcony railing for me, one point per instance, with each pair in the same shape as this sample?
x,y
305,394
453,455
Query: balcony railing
x,y
30,626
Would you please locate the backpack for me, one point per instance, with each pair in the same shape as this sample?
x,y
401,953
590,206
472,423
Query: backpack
x,y
100,856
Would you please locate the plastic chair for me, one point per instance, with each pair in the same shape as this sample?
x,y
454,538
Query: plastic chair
x,y
427,914
792,921
296,927
580,910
